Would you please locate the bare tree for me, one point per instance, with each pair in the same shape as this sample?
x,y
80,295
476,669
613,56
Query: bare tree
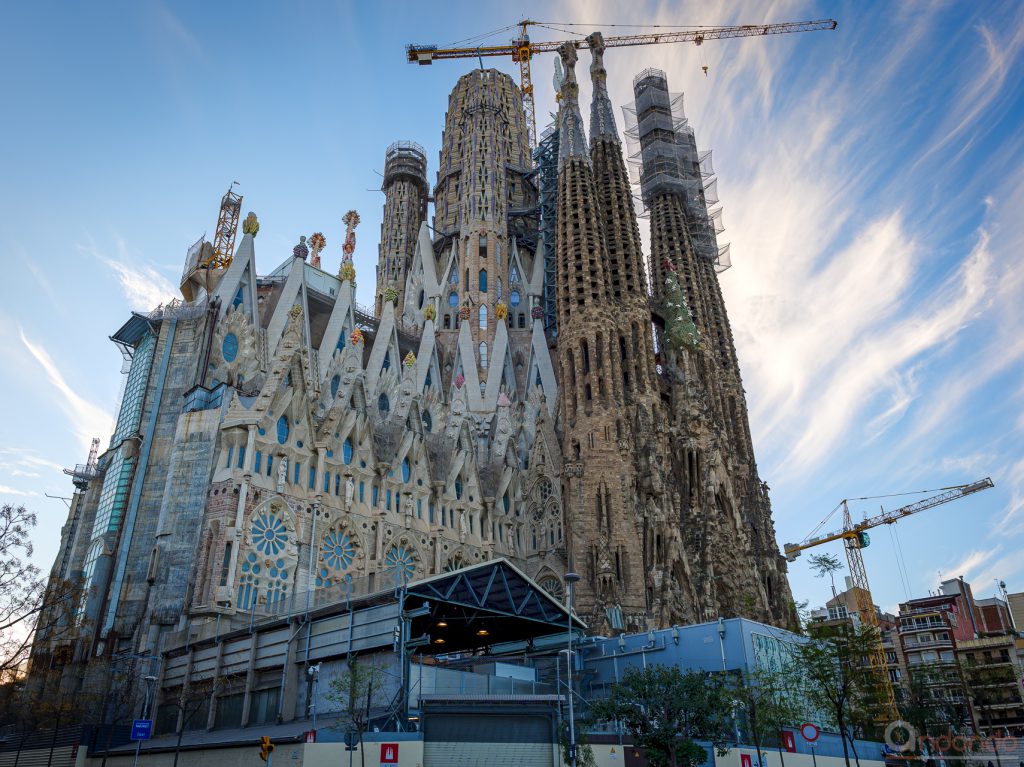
x,y
28,606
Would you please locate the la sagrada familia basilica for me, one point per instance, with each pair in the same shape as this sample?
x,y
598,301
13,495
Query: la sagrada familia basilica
x,y
527,385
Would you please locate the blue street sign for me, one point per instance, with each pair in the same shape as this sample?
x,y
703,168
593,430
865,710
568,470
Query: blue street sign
x,y
142,729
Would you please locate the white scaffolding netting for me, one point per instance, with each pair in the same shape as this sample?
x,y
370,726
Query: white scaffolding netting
x,y
663,159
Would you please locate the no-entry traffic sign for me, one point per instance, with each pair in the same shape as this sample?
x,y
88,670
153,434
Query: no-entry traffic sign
x,y
809,731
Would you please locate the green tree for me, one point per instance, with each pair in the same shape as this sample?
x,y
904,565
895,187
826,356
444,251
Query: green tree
x,y
666,710
764,697
837,675
355,689
931,715
826,565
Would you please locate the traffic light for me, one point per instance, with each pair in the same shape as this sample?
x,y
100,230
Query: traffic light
x,y
266,748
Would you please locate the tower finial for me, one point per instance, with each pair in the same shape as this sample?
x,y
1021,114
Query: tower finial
x,y
602,116
572,140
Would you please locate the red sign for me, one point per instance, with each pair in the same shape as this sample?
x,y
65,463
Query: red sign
x,y
809,731
311,736
788,741
389,753
746,761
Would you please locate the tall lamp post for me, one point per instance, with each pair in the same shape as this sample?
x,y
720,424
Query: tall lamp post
x,y
145,715
571,579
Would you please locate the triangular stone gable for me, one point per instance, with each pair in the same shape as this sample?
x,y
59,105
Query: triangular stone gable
x,y
237,288
385,347
339,327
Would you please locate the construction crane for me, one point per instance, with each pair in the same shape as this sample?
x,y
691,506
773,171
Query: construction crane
x,y
855,537
227,228
522,50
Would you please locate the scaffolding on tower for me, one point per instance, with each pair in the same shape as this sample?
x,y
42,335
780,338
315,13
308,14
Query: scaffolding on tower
x,y
663,158
546,158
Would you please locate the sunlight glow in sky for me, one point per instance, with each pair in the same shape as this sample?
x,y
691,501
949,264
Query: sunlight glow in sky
x,y
872,180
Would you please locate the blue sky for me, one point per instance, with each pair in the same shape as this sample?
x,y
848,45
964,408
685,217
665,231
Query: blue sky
x,y
871,178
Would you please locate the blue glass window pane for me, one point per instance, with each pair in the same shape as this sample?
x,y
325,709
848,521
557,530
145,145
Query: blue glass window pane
x,y
298,467
406,470
282,429
360,492
383,404
514,298
346,451
230,347
458,488
373,495
327,481
231,452
270,464
387,360
387,502
238,300
483,280
312,477
259,462
241,457
453,299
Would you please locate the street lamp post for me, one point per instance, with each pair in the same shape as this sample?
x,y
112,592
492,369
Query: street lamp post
x,y
571,579
145,715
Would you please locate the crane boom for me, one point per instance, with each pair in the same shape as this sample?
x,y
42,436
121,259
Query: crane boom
x,y
852,530
854,539
521,50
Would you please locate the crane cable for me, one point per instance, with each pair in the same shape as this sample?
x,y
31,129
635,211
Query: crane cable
x,y
898,555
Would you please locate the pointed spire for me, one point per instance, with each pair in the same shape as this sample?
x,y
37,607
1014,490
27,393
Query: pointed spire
x,y
572,140
602,116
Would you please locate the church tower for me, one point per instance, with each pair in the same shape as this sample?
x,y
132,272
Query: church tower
x,y
715,492
624,271
405,208
603,543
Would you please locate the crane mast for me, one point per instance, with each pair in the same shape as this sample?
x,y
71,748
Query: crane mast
x,y
855,538
521,50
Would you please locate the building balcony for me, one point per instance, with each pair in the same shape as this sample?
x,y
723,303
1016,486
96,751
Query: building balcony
x,y
929,625
912,643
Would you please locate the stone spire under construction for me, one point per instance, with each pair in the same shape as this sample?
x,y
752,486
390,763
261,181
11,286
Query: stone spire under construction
x,y
603,541
726,554
624,271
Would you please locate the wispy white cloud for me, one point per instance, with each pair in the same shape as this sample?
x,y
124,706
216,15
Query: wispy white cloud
x,y
87,419
143,286
6,490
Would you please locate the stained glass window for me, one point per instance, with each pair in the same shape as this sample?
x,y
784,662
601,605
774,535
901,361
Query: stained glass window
x,y
269,534
230,347
399,561
282,429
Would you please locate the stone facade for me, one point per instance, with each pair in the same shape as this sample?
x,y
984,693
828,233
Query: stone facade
x,y
279,447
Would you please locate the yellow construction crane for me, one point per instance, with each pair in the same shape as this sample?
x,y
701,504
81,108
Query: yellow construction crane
x,y
855,537
522,50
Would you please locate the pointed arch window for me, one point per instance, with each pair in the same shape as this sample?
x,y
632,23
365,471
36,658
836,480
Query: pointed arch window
x,y
514,275
239,298
483,317
346,451
483,355
282,429
483,280
497,287
406,470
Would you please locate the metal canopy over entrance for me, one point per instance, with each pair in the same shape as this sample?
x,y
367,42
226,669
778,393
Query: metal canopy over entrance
x,y
479,605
